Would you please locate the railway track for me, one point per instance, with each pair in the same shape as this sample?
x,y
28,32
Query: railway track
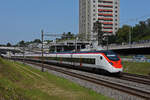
x,y
126,76
144,94
135,78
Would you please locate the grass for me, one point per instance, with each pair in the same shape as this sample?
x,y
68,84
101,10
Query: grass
x,y
142,68
22,82
129,57
147,56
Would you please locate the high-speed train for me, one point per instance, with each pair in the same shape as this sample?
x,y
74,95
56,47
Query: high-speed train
x,y
98,60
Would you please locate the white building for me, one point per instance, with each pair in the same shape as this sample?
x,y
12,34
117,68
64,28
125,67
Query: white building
x,y
105,11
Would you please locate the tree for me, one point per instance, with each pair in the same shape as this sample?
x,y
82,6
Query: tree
x,y
123,34
148,26
66,36
49,41
112,39
97,28
8,44
88,37
37,41
70,35
21,43
63,37
81,36
140,31
148,22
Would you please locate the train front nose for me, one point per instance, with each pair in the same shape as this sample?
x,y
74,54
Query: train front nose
x,y
117,64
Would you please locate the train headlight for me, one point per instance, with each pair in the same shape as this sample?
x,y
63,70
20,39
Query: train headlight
x,y
111,63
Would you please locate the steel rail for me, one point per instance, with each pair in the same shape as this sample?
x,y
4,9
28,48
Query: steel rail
x,y
136,75
135,78
129,77
127,89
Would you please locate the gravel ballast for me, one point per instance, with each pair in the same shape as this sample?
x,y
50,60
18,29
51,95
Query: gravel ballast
x,y
117,95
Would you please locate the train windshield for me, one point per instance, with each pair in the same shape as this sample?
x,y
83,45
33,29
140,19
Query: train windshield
x,y
112,56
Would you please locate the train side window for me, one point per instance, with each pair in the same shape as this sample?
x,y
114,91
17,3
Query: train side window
x,y
101,57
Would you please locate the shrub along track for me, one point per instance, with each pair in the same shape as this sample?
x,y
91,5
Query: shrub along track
x,y
103,82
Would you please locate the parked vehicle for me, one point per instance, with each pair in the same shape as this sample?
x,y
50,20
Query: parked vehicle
x,y
139,58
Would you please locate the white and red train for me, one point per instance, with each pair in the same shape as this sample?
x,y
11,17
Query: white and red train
x,y
100,60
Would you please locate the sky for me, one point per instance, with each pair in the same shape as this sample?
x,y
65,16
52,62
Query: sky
x,y
24,19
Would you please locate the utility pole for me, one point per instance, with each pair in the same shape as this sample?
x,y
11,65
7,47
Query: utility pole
x,y
42,38
56,45
130,30
23,54
76,45
22,47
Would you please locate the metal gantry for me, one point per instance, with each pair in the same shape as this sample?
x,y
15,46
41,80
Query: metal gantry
x,y
51,35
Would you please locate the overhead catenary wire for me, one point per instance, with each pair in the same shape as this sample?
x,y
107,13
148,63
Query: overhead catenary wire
x,y
135,19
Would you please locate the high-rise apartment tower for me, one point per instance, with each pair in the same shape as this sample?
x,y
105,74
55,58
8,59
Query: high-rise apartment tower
x,y
105,11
